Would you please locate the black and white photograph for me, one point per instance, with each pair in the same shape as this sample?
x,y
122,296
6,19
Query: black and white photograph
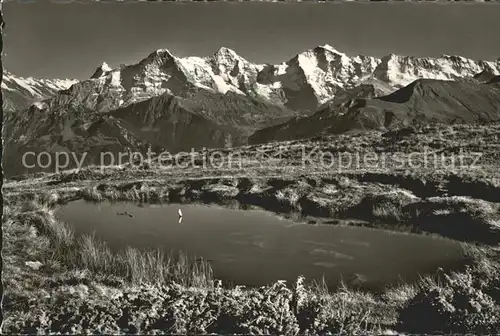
x,y
250,167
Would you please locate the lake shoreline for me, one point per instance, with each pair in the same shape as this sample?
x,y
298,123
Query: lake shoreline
x,y
243,239
339,197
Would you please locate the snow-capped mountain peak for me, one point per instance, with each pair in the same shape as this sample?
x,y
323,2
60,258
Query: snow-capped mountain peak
x,y
304,82
162,52
105,66
225,58
224,52
34,85
332,49
101,70
400,71
19,92
158,58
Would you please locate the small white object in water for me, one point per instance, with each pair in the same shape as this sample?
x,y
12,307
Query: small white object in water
x,y
180,213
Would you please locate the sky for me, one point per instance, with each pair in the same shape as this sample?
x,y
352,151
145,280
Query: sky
x,y
69,40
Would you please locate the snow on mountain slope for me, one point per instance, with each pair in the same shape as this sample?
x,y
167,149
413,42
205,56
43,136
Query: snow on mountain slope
x,y
365,108
303,83
161,72
227,94
328,113
19,92
400,71
313,77
308,79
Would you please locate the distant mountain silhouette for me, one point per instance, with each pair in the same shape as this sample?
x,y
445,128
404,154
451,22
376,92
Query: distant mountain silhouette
x,y
165,102
423,101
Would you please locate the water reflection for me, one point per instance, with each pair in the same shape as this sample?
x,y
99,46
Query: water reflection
x,y
255,247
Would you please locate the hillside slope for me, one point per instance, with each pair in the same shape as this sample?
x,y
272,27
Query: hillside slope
x,y
423,101
163,123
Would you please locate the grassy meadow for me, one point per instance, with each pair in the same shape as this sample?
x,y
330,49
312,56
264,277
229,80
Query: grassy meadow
x,y
55,281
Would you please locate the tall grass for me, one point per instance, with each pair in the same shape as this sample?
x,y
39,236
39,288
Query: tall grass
x,y
143,194
399,295
94,255
133,265
140,267
346,310
61,236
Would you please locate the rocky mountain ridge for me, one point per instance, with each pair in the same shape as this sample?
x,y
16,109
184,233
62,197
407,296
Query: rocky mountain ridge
x,y
175,103
303,83
422,101
20,92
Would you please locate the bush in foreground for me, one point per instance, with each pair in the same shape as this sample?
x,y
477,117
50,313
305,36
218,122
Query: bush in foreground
x,y
454,304
174,309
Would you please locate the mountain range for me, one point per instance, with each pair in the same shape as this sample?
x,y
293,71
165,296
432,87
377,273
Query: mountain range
x,y
423,101
175,104
19,92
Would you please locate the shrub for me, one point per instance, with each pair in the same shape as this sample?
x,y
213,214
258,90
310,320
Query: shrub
x,y
454,304
268,311
387,207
